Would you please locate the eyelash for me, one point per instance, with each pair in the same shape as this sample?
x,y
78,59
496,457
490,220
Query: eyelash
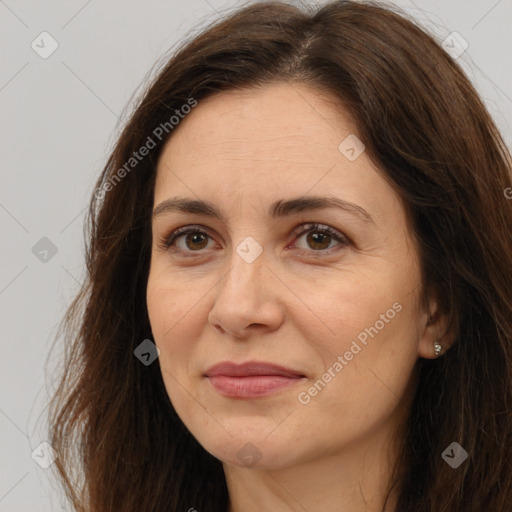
x,y
166,241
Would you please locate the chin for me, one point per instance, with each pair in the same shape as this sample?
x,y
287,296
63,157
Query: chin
x,y
253,452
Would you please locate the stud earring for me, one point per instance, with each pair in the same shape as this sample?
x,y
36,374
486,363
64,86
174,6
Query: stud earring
x,y
437,348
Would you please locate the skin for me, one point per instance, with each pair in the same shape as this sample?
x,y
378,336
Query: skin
x,y
295,305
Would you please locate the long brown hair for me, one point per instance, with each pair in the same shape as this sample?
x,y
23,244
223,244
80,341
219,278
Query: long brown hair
x,y
121,445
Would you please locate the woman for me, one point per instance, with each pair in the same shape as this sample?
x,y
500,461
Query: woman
x,y
300,286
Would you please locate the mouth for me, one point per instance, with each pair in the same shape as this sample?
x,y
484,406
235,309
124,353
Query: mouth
x,y
252,379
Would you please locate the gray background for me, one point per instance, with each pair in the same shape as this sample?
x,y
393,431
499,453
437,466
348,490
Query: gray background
x,y
60,116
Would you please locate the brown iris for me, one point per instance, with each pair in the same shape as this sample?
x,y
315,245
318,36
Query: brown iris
x,y
317,240
199,240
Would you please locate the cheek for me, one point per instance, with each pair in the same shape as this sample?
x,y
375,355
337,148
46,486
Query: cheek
x,y
174,317
173,312
364,332
169,303
334,309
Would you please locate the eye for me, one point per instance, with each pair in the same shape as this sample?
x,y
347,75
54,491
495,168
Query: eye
x,y
319,238
187,239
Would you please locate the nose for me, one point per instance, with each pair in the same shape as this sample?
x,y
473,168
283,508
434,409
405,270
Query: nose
x,y
246,299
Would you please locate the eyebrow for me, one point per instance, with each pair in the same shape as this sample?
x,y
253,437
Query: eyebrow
x,y
278,209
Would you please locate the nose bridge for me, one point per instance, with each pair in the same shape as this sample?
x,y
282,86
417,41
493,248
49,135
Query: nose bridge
x,y
242,296
246,264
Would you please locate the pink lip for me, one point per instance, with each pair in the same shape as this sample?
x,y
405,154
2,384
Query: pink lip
x,y
252,379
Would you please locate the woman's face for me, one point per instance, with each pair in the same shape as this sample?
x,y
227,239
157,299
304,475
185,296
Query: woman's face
x,y
326,288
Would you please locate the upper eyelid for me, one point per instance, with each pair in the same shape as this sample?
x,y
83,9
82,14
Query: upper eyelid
x,y
304,226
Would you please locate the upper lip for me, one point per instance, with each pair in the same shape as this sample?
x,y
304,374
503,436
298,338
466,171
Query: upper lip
x,y
250,368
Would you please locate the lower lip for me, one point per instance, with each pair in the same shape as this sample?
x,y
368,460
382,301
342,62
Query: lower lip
x,y
251,387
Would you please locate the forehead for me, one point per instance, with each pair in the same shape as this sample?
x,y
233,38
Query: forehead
x,y
278,118
278,140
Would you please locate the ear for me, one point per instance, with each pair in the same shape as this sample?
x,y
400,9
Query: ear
x,y
436,324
